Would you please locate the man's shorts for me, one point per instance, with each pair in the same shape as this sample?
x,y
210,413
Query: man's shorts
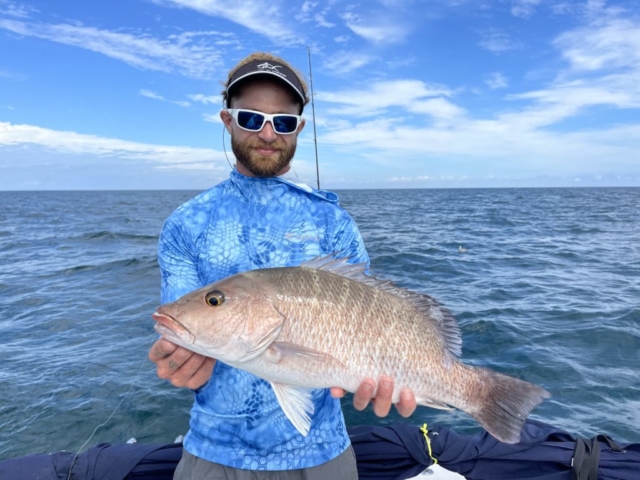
x,y
343,467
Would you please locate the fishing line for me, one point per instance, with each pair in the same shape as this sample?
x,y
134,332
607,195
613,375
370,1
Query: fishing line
x,y
133,382
224,147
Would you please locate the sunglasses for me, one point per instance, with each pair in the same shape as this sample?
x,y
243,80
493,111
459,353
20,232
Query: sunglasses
x,y
282,123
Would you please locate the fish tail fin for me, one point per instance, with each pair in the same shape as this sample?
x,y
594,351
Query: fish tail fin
x,y
506,404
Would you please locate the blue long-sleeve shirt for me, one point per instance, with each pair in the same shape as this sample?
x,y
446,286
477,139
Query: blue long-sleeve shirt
x,y
246,223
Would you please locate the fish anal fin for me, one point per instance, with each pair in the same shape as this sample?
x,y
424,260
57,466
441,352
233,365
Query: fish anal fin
x,y
297,405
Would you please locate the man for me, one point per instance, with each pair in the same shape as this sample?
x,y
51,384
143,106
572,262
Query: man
x,y
257,219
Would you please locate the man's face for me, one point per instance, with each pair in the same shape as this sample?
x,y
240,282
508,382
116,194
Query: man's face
x,y
264,153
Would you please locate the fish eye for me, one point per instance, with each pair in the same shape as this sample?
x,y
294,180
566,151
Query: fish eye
x,y
215,298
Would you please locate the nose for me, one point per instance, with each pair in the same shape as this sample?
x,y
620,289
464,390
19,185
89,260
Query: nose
x,y
268,133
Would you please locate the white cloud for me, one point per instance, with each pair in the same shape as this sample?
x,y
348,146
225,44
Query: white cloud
x,y
533,133
495,141
593,11
206,99
212,117
375,31
321,21
15,10
613,44
524,8
564,8
304,13
178,53
342,63
150,94
598,11
439,108
419,178
308,6
264,17
155,96
377,96
100,147
395,4
11,76
496,80
497,41
610,49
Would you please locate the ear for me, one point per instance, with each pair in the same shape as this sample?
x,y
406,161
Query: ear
x,y
303,122
227,119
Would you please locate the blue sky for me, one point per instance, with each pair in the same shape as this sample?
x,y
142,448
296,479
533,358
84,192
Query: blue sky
x,y
124,94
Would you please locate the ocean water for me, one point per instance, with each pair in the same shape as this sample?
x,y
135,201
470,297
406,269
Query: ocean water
x,y
546,289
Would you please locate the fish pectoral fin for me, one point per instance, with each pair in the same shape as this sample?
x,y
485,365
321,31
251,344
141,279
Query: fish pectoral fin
x,y
301,358
259,347
297,405
427,402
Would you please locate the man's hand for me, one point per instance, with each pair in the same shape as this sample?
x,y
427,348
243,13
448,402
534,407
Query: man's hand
x,y
182,367
382,401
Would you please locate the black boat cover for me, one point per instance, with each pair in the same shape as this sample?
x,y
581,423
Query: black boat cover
x,y
396,452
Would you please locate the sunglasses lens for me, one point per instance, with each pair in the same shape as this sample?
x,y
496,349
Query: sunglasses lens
x,y
285,123
250,120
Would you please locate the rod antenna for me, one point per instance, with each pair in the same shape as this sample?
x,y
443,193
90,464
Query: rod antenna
x,y
313,112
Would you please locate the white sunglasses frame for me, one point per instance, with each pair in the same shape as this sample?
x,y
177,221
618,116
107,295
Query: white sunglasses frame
x,y
267,118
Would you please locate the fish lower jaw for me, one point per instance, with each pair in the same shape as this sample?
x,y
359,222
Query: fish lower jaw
x,y
172,336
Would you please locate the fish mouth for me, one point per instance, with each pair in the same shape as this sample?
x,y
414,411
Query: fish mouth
x,y
171,329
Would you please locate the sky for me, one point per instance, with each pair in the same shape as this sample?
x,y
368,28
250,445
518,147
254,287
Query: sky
x,y
125,94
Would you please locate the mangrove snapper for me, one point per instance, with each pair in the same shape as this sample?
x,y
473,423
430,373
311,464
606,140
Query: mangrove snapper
x,y
327,324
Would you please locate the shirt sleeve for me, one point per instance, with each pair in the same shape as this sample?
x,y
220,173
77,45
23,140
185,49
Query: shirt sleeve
x,y
348,241
177,261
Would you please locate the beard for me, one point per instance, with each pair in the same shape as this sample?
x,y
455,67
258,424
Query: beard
x,y
259,165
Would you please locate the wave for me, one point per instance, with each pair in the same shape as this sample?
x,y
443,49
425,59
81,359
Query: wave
x,y
147,261
107,235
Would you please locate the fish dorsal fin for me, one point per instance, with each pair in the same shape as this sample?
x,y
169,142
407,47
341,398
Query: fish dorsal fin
x,y
339,266
444,319
297,405
425,304
352,271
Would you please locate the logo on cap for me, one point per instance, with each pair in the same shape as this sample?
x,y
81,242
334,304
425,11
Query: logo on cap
x,y
271,68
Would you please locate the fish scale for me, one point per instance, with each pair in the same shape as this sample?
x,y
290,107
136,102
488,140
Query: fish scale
x,y
328,324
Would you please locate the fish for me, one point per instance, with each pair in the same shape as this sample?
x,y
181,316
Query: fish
x,y
329,323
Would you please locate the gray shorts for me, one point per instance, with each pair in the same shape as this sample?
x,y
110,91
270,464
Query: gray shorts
x,y
343,467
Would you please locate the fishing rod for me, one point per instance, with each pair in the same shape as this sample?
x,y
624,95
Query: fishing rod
x,y
313,113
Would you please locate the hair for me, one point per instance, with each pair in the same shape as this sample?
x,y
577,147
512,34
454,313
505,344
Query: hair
x,y
226,99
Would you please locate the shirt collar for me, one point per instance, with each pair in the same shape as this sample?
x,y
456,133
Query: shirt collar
x,y
265,189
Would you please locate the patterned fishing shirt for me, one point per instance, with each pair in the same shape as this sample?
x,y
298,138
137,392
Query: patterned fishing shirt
x,y
241,224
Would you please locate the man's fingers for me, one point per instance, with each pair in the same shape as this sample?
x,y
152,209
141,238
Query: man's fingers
x,y
382,402
161,349
182,367
202,375
168,366
362,397
337,392
407,404
182,376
